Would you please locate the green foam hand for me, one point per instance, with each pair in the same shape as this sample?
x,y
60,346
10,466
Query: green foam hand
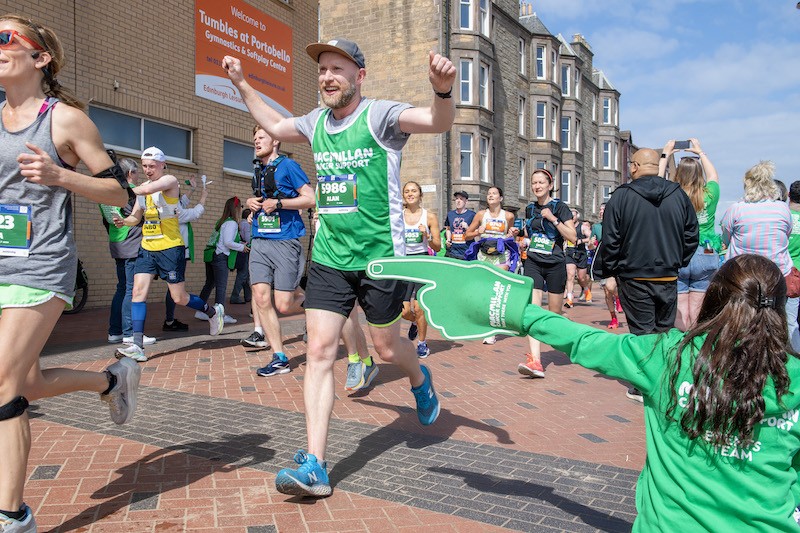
x,y
461,299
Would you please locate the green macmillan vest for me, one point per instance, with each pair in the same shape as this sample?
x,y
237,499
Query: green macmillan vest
x,y
358,196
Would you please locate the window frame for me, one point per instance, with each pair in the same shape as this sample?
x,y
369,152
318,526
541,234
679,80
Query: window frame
x,y
485,17
465,82
521,115
484,159
565,186
541,66
523,70
566,79
566,132
541,133
484,89
607,155
462,5
237,171
469,153
143,121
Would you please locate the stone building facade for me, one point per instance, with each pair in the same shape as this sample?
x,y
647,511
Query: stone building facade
x,y
525,98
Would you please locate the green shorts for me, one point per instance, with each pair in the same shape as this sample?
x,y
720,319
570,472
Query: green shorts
x,y
21,296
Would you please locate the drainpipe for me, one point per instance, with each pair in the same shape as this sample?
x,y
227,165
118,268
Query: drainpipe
x,y
447,187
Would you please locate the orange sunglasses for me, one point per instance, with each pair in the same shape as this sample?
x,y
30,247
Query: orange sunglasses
x,y
7,36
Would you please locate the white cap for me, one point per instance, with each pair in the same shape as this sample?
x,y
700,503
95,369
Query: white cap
x,y
154,153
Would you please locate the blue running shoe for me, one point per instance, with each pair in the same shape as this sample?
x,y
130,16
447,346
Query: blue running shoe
x,y
276,366
427,402
422,350
311,479
412,331
26,524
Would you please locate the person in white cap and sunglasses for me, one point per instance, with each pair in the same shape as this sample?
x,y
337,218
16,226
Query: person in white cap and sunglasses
x,y
163,250
357,144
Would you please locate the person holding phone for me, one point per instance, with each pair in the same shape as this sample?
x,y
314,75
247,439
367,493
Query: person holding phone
x,y
698,179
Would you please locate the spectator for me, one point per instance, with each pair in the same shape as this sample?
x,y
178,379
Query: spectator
x,y
242,282
698,179
649,233
722,450
123,244
223,242
609,284
760,223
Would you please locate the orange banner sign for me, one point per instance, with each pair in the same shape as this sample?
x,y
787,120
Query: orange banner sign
x,y
263,44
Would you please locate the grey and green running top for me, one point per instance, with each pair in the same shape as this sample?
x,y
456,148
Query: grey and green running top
x,y
359,198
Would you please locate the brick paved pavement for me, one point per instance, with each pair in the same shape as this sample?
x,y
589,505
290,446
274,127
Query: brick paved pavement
x,y
508,452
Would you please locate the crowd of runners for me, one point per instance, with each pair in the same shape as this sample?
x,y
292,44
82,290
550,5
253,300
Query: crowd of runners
x,y
706,386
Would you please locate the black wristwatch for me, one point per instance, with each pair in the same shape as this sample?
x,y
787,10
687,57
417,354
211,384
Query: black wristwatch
x,y
448,94
278,205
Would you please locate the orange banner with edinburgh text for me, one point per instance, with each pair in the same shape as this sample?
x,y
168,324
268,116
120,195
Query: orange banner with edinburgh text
x,y
263,44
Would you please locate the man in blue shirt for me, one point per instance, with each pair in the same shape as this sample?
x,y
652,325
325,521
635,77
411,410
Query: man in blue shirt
x,y
458,220
281,191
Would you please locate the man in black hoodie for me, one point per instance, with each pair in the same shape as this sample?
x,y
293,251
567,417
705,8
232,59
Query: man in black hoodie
x,y
649,232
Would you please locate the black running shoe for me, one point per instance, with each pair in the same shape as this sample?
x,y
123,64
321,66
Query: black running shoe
x,y
255,340
176,325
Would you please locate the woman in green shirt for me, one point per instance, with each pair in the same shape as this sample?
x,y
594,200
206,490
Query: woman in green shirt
x,y
721,401
698,179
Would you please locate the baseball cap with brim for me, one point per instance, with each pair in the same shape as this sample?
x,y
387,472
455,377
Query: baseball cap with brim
x,y
343,47
154,153
462,194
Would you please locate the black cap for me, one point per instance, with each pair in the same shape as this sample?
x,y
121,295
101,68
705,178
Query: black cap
x,y
343,47
462,194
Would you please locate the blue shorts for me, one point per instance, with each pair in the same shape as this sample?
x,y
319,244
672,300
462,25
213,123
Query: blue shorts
x,y
696,276
169,264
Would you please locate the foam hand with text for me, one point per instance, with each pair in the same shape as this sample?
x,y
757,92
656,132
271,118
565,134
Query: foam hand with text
x,y
461,299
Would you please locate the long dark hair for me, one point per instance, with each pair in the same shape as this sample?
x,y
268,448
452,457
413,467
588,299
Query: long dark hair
x,y
744,319
231,210
50,43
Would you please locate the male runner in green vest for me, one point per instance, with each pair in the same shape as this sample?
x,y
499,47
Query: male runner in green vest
x,y
357,145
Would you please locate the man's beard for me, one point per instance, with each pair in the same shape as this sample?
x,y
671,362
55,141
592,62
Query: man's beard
x,y
341,100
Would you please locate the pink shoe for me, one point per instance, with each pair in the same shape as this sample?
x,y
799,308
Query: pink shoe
x,y
619,306
614,323
531,368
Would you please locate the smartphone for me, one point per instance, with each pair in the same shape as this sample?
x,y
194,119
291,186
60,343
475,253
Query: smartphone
x,y
682,145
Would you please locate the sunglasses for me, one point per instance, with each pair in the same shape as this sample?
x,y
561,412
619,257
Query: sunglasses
x,y
7,36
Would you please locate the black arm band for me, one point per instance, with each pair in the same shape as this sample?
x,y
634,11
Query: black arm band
x,y
14,408
116,173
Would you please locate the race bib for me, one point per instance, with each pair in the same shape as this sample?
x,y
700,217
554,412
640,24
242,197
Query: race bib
x,y
15,230
541,244
269,223
458,238
337,194
413,236
152,229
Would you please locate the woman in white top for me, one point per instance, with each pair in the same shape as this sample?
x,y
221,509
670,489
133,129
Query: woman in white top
x,y
224,237
421,232
494,222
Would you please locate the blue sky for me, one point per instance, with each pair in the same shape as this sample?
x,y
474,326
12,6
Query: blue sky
x,y
725,72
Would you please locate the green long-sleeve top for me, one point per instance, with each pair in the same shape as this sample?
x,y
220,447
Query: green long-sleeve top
x,y
689,485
